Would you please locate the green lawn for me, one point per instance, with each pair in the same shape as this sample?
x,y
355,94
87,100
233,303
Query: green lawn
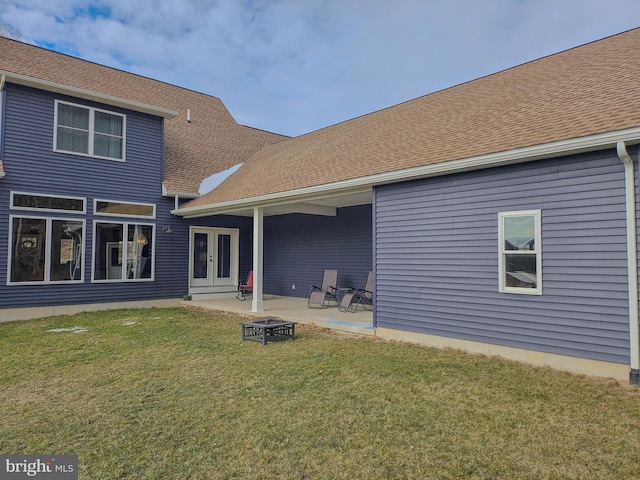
x,y
176,394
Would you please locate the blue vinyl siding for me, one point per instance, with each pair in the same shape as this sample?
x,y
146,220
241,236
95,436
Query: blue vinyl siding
x,y
32,166
437,257
297,248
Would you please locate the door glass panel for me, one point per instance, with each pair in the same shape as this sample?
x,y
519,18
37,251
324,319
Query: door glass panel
x,y
224,256
200,251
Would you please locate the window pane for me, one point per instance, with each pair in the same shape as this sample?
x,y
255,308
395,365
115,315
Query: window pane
x,y
139,247
52,203
107,123
28,250
224,256
72,116
521,270
200,255
106,146
520,232
66,250
116,208
108,253
72,140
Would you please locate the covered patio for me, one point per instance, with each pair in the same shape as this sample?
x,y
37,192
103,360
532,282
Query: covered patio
x,y
294,309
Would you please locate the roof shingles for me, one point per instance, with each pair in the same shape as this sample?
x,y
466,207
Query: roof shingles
x,y
579,92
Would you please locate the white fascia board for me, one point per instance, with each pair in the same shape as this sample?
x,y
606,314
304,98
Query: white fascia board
x,y
572,146
87,94
175,193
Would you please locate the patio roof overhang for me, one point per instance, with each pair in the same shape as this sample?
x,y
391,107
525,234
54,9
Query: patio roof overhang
x,y
324,199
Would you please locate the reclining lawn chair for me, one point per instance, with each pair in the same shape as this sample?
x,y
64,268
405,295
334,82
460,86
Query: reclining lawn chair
x,y
245,289
354,297
321,297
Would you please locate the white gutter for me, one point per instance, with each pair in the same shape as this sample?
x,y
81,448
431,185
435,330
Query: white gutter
x,y
632,262
87,94
572,146
176,193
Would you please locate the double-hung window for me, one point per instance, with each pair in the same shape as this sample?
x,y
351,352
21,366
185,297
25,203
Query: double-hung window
x,y
45,249
89,131
520,258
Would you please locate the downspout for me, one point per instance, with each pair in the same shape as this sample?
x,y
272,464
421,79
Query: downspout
x,y
2,83
632,262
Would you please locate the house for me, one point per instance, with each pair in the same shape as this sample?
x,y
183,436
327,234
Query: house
x,y
93,162
499,216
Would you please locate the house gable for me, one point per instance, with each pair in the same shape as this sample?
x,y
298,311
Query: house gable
x,y
201,140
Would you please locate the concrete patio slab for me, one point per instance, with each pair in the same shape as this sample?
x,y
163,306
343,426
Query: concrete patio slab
x,y
294,309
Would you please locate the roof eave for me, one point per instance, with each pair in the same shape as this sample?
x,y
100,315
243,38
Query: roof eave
x,y
87,94
177,193
600,141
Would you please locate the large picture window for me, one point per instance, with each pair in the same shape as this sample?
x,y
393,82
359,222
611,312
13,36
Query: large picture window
x,y
520,260
89,131
123,252
46,250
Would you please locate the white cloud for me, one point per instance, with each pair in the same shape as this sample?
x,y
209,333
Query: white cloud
x,y
291,66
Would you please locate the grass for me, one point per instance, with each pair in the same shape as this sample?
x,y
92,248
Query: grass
x,y
176,394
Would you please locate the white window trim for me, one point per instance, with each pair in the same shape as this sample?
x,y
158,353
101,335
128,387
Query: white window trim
x,y
537,214
53,210
123,215
47,263
125,227
92,132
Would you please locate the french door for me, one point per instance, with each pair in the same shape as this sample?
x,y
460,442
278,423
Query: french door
x,y
214,259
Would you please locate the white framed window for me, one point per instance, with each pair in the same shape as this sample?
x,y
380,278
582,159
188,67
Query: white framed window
x,y
123,252
51,203
124,209
520,252
89,131
45,250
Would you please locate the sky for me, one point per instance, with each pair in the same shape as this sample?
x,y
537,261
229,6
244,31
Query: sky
x,y
294,66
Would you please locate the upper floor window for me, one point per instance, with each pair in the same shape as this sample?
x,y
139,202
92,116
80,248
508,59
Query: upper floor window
x,y
89,131
520,260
